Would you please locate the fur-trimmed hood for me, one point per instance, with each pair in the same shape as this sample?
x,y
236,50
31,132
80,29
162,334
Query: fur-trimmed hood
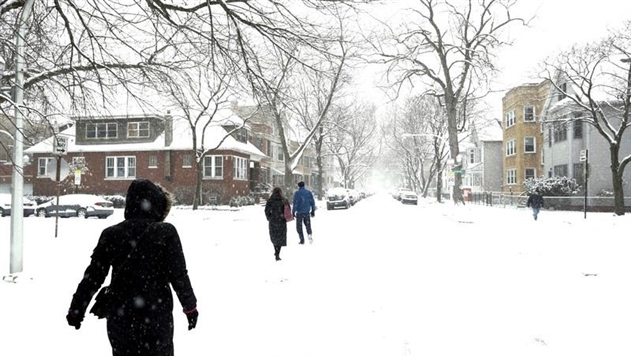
x,y
147,200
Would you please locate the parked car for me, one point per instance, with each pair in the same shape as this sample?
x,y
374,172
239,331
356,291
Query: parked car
x,y
80,205
353,195
337,197
5,205
408,197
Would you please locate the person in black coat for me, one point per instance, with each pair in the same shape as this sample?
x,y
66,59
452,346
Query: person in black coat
x,y
274,212
141,322
535,201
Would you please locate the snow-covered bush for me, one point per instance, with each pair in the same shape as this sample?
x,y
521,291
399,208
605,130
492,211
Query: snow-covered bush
x,y
554,186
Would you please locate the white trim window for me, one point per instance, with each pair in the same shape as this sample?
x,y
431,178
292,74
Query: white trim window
x,y
240,168
510,118
153,161
101,130
213,166
530,173
529,113
472,155
278,153
511,176
511,147
120,167
529,144
42,166
137,129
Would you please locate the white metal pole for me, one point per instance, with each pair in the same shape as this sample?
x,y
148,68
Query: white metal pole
x,y
17,179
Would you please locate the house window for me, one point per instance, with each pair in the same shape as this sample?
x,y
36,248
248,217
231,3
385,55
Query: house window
x,y
187,161
153,161
42,164
137,129
213,166
529,173
511,176
511,148
577,128
560,132
560,170
240,169
510,118
121,167
529,145
562,90
101,130
471,155
579,173
280,156
529,113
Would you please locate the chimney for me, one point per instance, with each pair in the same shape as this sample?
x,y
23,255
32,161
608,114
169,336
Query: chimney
x,y
168,129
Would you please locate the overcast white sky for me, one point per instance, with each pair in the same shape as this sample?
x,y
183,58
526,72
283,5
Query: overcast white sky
x,y
555,25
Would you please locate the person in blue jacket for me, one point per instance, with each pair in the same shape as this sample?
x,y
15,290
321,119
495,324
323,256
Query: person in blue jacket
x,y
303,208
536,202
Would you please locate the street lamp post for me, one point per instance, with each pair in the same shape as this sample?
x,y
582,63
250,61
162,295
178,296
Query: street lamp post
x,y
17,178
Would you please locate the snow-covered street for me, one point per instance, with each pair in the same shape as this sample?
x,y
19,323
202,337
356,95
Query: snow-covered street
x,y
381,278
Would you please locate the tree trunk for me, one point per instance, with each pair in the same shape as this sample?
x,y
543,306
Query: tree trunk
x,y
452,131
616,176
198,184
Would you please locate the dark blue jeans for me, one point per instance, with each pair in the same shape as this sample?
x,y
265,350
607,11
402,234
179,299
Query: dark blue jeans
x,y
300,219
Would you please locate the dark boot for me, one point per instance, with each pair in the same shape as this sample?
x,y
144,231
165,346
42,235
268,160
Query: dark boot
x,y
277,252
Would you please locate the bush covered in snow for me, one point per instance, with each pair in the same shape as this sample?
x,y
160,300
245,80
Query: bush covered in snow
x,y
554,186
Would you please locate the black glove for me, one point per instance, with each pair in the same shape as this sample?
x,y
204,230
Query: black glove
x,y
192,315
74,318
313,214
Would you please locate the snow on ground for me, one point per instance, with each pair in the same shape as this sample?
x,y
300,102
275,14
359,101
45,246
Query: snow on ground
x,y
380,278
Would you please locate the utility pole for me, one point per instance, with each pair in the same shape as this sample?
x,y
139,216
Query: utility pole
x,y
17,179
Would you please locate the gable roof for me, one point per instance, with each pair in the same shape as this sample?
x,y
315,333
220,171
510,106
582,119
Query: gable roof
x,y
182,140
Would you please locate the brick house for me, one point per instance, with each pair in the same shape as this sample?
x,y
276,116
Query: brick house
x,y
105,153
523,134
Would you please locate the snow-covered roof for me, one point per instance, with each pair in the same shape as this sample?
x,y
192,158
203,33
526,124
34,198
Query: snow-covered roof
x,y
182,140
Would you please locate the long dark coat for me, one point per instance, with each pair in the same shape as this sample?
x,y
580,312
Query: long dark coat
x,y
274,212
142,324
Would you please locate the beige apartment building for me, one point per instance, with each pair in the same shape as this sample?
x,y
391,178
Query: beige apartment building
x,y
523,134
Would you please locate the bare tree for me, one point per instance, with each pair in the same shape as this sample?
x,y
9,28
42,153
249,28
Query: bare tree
x,y
595,80
203,99
275,87
448,47
418,135
352,140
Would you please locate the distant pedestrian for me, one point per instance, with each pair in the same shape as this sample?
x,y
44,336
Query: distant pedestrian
x,y
147,260
535,201
274,212
303,209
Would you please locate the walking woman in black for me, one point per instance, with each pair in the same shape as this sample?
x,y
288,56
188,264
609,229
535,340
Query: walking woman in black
x,y
147,260
274,212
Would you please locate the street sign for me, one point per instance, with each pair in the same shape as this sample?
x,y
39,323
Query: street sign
x,y
60,145
77,177
583,156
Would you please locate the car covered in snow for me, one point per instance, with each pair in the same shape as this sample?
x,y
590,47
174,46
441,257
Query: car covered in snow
x,y
338,198
28,205
408,197
79,205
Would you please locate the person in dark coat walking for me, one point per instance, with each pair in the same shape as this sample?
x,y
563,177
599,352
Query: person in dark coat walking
x,y
303,208
274,212
141,322
535,201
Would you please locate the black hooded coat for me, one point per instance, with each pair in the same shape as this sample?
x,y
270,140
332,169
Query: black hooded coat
x,y
142,322
274,212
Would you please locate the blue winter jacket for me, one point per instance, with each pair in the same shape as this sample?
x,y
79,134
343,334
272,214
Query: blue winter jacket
x,y
303,201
